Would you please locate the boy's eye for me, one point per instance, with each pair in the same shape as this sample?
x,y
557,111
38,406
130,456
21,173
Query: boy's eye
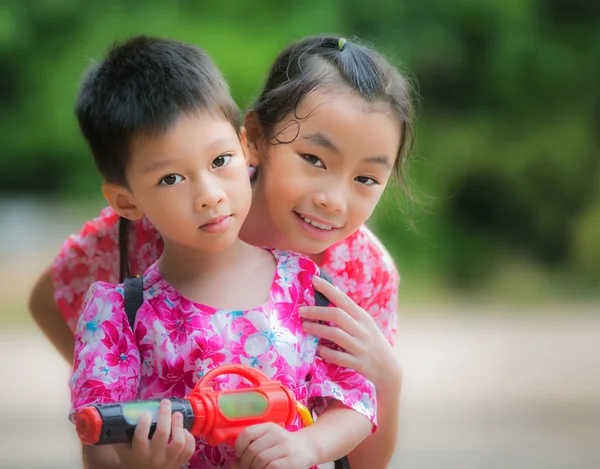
x,y
313,160
366,180
171,180
221,161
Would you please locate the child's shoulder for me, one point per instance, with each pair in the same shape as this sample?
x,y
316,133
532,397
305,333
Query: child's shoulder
x,y
363,247
102,297
294,262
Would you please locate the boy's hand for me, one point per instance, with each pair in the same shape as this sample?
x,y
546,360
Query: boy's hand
x,y
269,445
159,452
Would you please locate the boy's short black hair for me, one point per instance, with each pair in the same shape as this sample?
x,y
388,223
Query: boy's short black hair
x,y
143,86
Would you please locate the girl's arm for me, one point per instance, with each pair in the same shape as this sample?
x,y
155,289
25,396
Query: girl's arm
x,y
48,317
368,351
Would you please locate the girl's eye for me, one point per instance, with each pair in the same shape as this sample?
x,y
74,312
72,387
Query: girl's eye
x,y
171,180
366,180
221,161
313,160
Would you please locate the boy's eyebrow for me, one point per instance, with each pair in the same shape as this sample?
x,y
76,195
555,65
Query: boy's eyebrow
x,y
214,144
156,165
322,140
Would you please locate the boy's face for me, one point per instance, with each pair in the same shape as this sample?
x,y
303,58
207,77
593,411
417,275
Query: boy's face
x,y
191,182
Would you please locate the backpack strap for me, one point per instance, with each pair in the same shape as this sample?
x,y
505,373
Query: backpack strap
x,y
123,245
320,299
342,463
133,286
134,297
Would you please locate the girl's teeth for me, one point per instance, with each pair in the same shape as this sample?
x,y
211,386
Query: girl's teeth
x,y
314,223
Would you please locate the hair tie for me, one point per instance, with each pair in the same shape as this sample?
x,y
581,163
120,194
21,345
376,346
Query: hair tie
x,y
341,43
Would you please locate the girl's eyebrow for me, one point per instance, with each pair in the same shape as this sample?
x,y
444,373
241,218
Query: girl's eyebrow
x,y
322,140
380,160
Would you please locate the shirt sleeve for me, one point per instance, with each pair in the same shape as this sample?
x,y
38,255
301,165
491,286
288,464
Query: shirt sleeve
x,y
363,269
107,360
383,304
343,384
329,381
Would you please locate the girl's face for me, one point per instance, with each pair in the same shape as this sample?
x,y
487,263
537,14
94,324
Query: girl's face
x,y
323,185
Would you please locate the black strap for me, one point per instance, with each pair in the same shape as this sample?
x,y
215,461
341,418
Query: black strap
x,y
134,297
320,299
123,245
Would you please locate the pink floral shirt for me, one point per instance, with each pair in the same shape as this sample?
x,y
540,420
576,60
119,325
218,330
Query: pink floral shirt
x,y
176,341
359,266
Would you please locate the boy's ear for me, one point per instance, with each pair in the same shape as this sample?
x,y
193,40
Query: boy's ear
x,y
121,201
253,139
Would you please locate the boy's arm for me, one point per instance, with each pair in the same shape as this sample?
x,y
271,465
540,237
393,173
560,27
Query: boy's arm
x,y
336,432
327,438
48,317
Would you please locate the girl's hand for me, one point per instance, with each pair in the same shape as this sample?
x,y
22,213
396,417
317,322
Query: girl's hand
x,y
269,445
365,348
158,452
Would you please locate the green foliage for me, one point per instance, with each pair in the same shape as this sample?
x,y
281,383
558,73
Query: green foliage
x,y
507,156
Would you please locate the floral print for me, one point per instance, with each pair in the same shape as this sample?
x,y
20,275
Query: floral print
x,y
359,265
175,341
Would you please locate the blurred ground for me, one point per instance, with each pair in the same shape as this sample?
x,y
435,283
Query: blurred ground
x,y
486,387
481,392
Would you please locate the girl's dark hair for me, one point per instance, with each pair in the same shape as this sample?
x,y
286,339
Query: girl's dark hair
x,y
326,61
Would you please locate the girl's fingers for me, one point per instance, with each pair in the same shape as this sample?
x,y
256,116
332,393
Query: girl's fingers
x,y
334,334
337,316
339,358
340,299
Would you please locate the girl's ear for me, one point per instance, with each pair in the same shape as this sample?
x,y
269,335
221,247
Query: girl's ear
x,y
253,140
121,201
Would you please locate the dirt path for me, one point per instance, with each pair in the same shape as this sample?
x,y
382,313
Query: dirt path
x,y
481,392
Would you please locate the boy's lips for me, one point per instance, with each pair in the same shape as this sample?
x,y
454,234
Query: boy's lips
x,y
216,224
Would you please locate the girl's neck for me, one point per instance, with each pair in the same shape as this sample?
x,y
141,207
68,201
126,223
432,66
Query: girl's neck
x,y
258,229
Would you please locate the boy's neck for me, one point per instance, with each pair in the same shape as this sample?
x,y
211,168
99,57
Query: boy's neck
x,y
181,264
211,278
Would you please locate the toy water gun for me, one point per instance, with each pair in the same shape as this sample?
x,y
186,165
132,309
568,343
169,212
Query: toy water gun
x,y
217,416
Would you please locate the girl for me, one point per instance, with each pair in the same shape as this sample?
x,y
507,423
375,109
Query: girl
x,y
177,160
332,125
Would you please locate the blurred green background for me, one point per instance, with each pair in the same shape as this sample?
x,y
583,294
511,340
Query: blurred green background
x,y
499,251
507,164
